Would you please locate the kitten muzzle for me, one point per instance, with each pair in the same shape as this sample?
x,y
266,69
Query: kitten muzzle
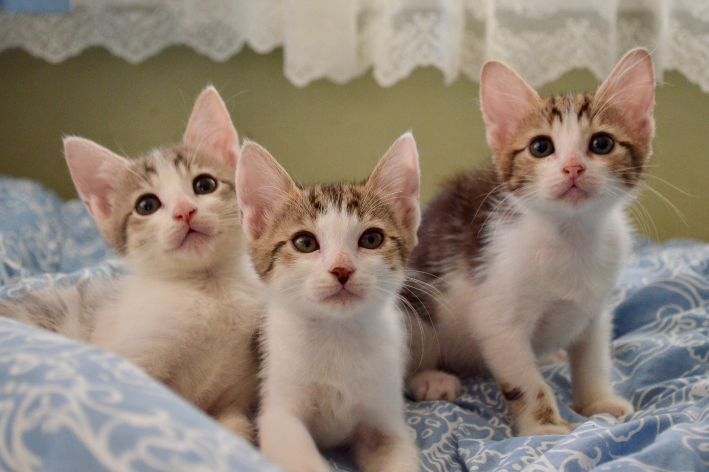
x,y
574,194
342,296
190,238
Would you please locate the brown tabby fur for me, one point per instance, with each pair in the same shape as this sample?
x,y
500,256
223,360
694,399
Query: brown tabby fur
x,y
300,211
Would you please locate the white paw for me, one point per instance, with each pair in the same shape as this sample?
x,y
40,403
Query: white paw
x,y
431,385
546,429
613,404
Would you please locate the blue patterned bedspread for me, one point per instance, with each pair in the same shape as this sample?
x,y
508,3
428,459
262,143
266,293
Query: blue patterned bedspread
x,y
67,406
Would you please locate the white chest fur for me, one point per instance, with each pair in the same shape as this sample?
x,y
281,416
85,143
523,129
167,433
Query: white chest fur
x,y
196,340
546,279
334,374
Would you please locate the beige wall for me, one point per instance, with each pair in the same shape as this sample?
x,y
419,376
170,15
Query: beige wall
x,y
321,132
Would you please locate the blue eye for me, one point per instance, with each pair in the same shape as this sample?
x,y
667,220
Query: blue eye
x,y
541,147
371,239
305,242
147,205
601,143
204,184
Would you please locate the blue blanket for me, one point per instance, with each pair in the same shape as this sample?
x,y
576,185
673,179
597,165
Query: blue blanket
x,y
67,406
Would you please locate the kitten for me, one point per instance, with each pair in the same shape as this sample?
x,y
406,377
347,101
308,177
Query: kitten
x,y
520,261
188,312
333,258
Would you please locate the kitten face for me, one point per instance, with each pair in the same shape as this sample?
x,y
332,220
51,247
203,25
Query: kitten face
x,y
348,265
174,209
331,250
175,206
574,152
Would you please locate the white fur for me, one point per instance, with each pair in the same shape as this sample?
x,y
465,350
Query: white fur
x,y
194,335
547,286
333,369
327,381
333,373
549,268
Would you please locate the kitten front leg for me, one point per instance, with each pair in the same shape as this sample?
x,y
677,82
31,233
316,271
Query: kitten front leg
x,y
509,355
590,359
285,440
385,450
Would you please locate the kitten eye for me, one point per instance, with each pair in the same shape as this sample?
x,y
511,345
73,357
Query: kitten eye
x,y
204,184
541,147
601,143
147,204
305,242
371,239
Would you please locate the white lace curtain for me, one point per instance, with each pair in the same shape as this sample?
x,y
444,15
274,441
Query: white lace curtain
x,y
342,39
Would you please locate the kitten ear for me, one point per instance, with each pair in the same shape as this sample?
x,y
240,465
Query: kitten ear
x,y
397,176
94,170
210,128
505,100
631,89
260,183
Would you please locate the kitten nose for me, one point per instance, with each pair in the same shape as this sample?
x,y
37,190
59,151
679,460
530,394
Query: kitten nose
x,y
184,211
342,274
574,171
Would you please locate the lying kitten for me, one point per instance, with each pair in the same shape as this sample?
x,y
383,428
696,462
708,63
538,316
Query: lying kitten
x,y
333,258
522,260
188,312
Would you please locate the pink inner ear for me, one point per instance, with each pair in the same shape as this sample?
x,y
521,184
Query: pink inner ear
x,y
506,100
94,170
631,89
397,174
210,128
260,183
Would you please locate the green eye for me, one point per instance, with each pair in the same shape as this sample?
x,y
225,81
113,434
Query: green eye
x,y
147,205
601,143
305,242
541,147
204,184
371,239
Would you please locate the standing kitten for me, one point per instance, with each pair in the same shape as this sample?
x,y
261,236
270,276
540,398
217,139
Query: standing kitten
x,y
523,260
333,258
188,311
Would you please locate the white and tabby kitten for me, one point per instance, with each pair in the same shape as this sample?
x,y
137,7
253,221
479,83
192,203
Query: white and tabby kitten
x,y
522,260
189,310
333,258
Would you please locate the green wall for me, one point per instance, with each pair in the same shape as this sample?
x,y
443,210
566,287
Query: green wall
x,y
321,132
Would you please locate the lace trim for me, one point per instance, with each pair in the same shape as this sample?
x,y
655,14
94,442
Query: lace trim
x,y
342,40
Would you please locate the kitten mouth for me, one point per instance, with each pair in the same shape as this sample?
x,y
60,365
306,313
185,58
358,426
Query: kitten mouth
x,y
192,239
342,296
574,194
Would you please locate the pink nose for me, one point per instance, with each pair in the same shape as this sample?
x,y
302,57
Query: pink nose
x,y
184,211
342,274
574,171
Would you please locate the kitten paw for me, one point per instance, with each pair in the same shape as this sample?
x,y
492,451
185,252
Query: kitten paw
x,y
613,404
546,429
431,385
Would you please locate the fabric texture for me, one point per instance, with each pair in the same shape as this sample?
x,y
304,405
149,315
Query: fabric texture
x,y
340,40
68,406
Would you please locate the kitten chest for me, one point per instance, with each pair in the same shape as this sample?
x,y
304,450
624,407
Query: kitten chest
x,y
335,376
559,278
